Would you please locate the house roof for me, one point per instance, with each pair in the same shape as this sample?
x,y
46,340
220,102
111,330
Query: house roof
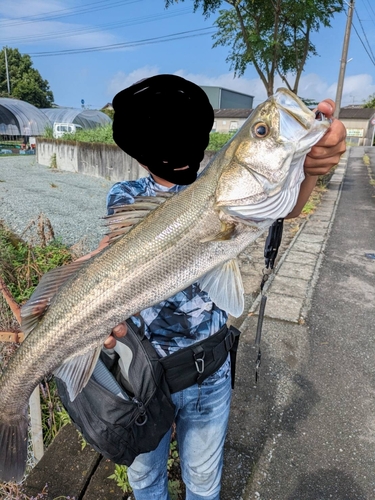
x,y
356,113
232,113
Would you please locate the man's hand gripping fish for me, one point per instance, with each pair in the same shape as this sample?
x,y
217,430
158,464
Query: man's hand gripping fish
x,y
194,235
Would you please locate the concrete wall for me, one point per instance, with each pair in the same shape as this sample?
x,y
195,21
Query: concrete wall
x,y
95,159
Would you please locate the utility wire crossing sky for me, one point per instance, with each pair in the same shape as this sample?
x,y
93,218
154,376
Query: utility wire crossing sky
x,y
90,51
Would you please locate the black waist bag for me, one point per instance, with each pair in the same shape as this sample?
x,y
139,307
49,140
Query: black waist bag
x,y
193,364
120,424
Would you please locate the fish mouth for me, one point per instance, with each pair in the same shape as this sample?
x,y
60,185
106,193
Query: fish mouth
x,y
291,110
294,107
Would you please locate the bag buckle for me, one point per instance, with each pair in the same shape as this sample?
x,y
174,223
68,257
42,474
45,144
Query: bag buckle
x,y
199,356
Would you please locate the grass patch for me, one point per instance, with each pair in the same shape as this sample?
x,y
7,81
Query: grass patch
x,y
103,134
314,200
176,488
21,266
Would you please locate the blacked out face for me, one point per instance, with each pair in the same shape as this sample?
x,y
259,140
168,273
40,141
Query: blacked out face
x,y
175,175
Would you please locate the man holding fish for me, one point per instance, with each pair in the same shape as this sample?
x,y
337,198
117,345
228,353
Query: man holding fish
x,y
201,411
177,266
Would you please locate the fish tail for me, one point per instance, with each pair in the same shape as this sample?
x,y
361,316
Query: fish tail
x,y
13,449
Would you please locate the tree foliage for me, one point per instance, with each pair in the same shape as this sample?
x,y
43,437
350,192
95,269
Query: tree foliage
x,y
370,102
272,35
26,82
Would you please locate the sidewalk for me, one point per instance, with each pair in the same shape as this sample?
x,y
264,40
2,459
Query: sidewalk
x,y
307,430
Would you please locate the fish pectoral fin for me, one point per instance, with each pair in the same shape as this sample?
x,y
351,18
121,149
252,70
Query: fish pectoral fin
x,y
77,371
35,308
124,217
226,233
225,288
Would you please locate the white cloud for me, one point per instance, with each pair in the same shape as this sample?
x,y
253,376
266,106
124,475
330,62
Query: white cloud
x,y
62,35
19,26
357,88
122,80
312,85
25,8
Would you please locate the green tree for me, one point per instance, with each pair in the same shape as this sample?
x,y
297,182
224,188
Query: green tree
x,y
370,101
25,81
272,35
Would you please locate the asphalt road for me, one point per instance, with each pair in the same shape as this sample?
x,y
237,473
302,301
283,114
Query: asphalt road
x,y
320,444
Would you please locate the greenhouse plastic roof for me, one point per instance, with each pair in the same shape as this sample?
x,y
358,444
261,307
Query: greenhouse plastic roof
x,y
87,118
21,118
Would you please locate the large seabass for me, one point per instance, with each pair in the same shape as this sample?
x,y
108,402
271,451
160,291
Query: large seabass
x,y
195,235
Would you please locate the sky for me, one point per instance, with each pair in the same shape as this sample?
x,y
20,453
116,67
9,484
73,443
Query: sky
x,y
69,41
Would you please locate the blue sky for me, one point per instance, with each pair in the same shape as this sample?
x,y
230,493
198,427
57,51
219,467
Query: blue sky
x,y
38,27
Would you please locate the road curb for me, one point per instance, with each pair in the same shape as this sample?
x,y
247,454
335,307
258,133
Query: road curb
x,y
299,297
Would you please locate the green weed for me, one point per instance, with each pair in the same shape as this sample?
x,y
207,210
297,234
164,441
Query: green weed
x,y
22,265
48,132
314,200
99,134
218,140
175,485
54,415
53,162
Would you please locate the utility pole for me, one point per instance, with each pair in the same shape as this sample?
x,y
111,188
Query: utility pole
x,y
344,58
6,69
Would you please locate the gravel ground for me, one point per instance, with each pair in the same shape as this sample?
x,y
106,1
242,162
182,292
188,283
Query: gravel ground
x,y
72,202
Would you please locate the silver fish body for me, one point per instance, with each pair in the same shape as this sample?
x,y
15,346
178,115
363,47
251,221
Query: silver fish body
x,y
194,235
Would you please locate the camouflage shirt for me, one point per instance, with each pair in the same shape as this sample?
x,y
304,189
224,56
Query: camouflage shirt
x,y
187,317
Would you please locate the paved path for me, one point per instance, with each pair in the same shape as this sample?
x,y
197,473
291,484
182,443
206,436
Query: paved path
x,y
308,430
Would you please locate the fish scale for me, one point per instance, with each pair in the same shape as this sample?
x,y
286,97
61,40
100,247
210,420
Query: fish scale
x,y
193,236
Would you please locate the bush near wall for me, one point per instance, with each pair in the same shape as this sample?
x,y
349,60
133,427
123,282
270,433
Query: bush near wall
x,y
104,135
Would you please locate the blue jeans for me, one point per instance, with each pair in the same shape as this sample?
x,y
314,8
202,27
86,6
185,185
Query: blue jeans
x,y
201,421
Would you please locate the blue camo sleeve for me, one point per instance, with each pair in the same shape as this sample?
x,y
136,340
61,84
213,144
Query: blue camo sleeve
x,y
119,194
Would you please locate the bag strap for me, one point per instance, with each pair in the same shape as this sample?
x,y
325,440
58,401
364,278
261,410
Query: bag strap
x,y
271,249
233,351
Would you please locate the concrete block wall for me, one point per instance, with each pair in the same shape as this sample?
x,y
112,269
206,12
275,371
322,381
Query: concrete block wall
x,y
95,159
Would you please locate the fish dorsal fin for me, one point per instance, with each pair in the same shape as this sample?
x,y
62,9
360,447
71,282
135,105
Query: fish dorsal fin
x,y
127,216
35,308
76,371
225,288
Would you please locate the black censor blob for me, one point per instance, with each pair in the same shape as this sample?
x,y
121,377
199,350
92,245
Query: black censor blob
x,y
164,122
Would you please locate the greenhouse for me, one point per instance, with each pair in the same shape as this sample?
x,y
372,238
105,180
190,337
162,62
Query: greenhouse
x,y
86,118
19,118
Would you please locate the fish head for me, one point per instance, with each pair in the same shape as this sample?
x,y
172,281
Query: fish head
x,y
261,181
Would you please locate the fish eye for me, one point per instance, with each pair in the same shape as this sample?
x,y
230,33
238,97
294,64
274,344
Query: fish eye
x,y
261,130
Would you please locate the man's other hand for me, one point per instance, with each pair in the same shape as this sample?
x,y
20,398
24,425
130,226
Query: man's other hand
x,y
327,152
119,331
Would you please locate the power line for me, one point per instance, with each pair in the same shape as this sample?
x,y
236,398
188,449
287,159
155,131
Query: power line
x,y
364,33
370,8
146,41
93,29
69,12
360,39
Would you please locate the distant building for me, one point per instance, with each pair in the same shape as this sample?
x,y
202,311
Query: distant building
x,y
358,125
229,120
108,106
227,99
